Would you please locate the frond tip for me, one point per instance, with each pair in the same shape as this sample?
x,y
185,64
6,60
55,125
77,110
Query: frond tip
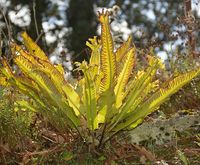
x,y
32,47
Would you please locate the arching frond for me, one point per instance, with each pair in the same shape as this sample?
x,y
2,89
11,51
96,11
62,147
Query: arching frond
x,y
156,100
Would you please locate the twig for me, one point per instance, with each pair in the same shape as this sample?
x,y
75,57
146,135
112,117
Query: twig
x,y
39,36
8,29
47,138
4,148
7,25
190,20
35,19
102,135
41,153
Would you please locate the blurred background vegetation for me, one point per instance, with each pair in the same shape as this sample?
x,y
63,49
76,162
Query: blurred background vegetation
x,y
61,27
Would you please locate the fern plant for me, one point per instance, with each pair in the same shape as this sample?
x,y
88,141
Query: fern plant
x,y
12,122
111,96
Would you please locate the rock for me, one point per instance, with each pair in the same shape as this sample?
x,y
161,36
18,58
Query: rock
x,y
162,131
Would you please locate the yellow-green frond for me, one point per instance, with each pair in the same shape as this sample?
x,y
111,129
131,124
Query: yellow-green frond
x,y
32,47
72,97
124,76
6,70
122,50
108,60
94,45
135,91
60,68
173,86
157,99
89,96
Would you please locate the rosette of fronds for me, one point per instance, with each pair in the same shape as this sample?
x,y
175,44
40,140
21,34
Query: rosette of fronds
x,y
111,96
